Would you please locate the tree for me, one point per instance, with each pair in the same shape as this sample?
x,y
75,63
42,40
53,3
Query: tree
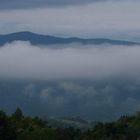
x,y
6,130
18,115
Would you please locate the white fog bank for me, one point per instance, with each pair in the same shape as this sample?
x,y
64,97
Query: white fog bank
x,y
24,61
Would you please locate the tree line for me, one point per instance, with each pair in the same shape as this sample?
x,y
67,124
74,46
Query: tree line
x,y
20,127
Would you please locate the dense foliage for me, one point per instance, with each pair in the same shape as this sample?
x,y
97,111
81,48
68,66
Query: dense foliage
x,y
19,127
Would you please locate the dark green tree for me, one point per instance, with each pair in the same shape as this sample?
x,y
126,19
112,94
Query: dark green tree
x,y
6,130
18,115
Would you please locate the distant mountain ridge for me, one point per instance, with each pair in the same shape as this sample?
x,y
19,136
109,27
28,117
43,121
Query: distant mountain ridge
x,y
67,122
37,39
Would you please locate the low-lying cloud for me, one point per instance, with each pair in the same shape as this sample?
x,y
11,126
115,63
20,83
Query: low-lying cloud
x,y
24,61
95,82
89,99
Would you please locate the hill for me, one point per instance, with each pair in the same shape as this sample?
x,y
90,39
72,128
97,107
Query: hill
x,y
66,122
37,39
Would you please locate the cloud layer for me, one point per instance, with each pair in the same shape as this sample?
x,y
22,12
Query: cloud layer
x,y
15,4
89,99
22,60
94,82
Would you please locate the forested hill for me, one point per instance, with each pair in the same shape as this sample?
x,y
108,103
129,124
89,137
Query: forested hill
x,y
19,127
37,39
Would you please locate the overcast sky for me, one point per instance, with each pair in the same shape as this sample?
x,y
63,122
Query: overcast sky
x,y
19,4
114,71
84,18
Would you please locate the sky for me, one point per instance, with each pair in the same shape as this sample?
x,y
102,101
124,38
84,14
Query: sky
x,y
95,82
83,18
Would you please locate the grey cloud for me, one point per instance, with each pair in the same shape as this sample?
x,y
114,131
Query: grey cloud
x,y
95,82
116,20
18,4
29,4
91,99
24,61
95,100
